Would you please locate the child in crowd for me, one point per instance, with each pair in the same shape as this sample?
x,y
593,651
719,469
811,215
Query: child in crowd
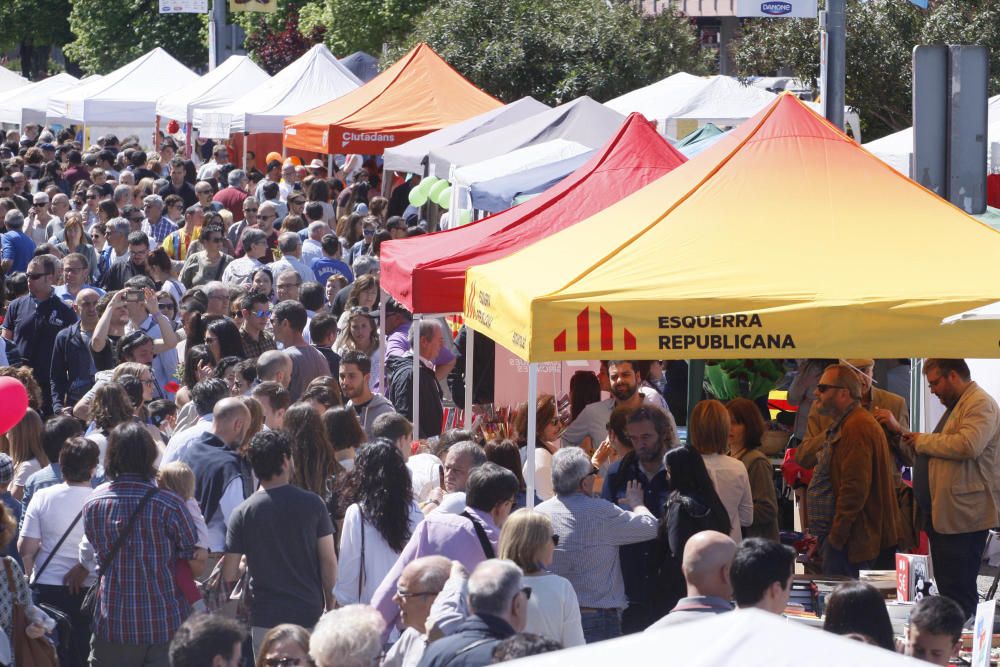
x,y
178,477
935,630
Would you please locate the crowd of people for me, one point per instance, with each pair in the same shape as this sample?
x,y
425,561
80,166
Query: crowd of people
x,y
219,465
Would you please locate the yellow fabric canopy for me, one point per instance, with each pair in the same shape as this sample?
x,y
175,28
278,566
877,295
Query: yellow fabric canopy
x,y
786,239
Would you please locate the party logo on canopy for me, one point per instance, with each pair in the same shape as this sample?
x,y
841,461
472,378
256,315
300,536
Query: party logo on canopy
x,y
606,330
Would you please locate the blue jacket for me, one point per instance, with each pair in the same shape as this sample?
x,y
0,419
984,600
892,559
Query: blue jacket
x,y
72,372
472,644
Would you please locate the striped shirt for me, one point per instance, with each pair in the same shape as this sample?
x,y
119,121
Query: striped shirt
x,y
590,531
138,601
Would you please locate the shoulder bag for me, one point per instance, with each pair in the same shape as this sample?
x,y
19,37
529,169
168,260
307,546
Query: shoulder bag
x,y
89,603
28,651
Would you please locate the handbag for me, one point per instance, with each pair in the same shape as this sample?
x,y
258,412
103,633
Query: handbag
x,y
28,651
89,604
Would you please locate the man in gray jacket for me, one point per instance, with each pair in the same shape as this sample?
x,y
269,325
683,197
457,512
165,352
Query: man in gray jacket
x,y
355,376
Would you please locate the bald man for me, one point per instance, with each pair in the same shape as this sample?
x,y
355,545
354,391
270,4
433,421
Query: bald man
x,y
708,557
417,589
275,366
221,482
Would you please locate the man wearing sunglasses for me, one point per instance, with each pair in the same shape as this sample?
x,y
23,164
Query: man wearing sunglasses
x,y
206,265
34,320
256,311
851,498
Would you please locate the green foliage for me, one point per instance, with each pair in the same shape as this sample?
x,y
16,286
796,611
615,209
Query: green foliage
x,y
112,34
881,35
361,25
556,51
36,22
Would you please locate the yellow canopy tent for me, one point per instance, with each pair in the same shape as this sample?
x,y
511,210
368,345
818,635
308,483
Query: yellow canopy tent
x,y
785,239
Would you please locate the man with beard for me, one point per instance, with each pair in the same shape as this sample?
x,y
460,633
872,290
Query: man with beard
x,y
851,497
355,373
649,429
626,391
955,478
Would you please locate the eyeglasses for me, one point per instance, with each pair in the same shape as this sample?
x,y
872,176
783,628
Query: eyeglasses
x,y
406,594
823,388
37,276
527,592
287,662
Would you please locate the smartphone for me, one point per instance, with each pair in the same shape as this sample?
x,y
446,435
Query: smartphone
x,y
134,295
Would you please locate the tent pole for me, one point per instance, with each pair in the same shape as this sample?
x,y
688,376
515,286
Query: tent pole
x,y
383,296
387,182
415,336
329,165
916,394
187,141
246,135
156,131
469,335
532,429
696,380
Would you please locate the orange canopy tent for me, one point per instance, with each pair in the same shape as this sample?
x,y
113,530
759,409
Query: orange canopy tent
x,y
419,94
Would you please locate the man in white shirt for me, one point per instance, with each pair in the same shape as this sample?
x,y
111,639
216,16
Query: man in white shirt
x,y
290,246
204,396
417,589
625,392
461,460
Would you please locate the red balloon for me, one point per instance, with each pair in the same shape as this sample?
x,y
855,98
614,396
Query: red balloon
x,y
13,403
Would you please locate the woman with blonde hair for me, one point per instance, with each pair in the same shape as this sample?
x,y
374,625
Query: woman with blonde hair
x,y
75,239
25,441
708,434
360,333
553,611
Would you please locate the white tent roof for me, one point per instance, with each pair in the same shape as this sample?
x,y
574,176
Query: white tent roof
x,y
220,87
748,638
9,79
26,105
410,156
124,98
896,149
660,100
314,79
521,159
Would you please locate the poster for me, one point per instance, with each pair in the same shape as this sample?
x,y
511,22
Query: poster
x,y
253,6
183,6
511,377
982,633
777,9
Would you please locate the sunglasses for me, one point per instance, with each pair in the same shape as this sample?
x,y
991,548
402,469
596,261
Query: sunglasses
x,y
37,276
91,197
261,313
166,306
823,388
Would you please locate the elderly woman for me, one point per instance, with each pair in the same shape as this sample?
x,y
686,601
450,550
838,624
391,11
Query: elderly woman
x,y
75,239
527,539
746,428
590,530
708,434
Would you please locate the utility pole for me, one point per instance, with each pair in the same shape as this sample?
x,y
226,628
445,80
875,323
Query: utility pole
x,y
833,56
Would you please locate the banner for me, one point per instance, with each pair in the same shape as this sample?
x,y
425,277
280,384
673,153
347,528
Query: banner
x,y
777,9
183,6
267,6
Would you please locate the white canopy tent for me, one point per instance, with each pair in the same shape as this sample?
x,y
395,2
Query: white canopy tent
x,y
521,159
26,105
218,88
124,98
412,155
896,149
721,100
749,638
316,78
9,80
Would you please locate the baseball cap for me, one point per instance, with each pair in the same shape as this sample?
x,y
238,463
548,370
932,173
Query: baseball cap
x,y
6,469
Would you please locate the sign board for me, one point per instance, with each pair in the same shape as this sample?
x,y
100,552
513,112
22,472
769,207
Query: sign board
x,y
267,6
777,9
511,377
215,126
982,633
183,6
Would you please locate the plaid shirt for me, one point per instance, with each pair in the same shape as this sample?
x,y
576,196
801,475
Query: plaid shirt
x,y
590,531
254,348
138,601
161,230
820,496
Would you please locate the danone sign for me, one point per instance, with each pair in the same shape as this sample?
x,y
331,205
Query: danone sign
x,y
783,9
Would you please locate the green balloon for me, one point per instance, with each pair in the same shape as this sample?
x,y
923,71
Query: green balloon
x,y
436,190
464,216
417,198
444,199
423,188
429,181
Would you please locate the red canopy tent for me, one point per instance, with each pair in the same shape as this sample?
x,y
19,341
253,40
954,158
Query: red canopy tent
x,y
427,273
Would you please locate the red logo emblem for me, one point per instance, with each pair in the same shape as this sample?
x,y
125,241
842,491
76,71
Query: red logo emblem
x,y
583,333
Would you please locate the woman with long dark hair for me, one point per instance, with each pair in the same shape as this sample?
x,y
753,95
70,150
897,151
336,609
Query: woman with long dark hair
x,y
856,607
315,464
222,337
378,523
345,433
692,506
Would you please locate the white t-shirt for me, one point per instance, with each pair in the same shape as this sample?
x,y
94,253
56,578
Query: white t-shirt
x,y
543,472
24,470
425,473
50,513
553,610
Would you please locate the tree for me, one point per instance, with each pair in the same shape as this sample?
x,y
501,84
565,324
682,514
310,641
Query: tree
x,y
276,48
362,25
35,26
112,34
881,35
556,51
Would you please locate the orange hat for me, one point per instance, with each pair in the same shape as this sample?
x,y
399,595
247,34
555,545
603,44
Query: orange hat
x,y
273,155
296,160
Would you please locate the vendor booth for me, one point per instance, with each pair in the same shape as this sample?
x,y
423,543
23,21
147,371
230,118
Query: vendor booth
x,y
9,80
419,94
26,105
427,273
700,264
